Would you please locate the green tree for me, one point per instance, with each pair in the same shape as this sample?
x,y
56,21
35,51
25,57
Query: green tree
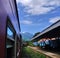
x,y
36,34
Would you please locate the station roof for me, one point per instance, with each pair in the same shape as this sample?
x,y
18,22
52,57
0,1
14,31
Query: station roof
x,y
51,31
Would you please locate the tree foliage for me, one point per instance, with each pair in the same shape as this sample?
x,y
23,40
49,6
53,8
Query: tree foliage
x,y
36,34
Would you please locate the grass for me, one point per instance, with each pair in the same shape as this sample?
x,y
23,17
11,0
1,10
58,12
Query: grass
x,y
29,53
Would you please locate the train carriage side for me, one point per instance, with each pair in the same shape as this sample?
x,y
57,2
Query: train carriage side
x,y
9,30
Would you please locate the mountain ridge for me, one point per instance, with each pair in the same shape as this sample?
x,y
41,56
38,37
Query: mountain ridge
x,y
26,36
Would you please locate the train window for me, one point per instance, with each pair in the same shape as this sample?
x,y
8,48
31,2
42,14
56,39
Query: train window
x,y
10,40
59,37
9,32
35,43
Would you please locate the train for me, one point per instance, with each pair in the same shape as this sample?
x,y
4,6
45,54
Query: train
x,y
10,37
53,43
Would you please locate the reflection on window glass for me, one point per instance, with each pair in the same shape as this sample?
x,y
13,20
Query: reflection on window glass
x,y
9,32
35,43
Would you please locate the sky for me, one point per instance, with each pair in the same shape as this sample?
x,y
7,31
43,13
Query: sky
x,y
36,15
9,32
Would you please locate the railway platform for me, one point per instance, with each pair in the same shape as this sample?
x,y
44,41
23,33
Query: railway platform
x,y
47,53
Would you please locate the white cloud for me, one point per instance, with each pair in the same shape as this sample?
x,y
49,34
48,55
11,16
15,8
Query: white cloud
x,y
24,2
23,32
30,23
36,7
53,20
39,10
26,22
26,15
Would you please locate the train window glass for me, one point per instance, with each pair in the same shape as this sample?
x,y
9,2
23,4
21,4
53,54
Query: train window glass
x,y
35,43
47,42
59,37
9,32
